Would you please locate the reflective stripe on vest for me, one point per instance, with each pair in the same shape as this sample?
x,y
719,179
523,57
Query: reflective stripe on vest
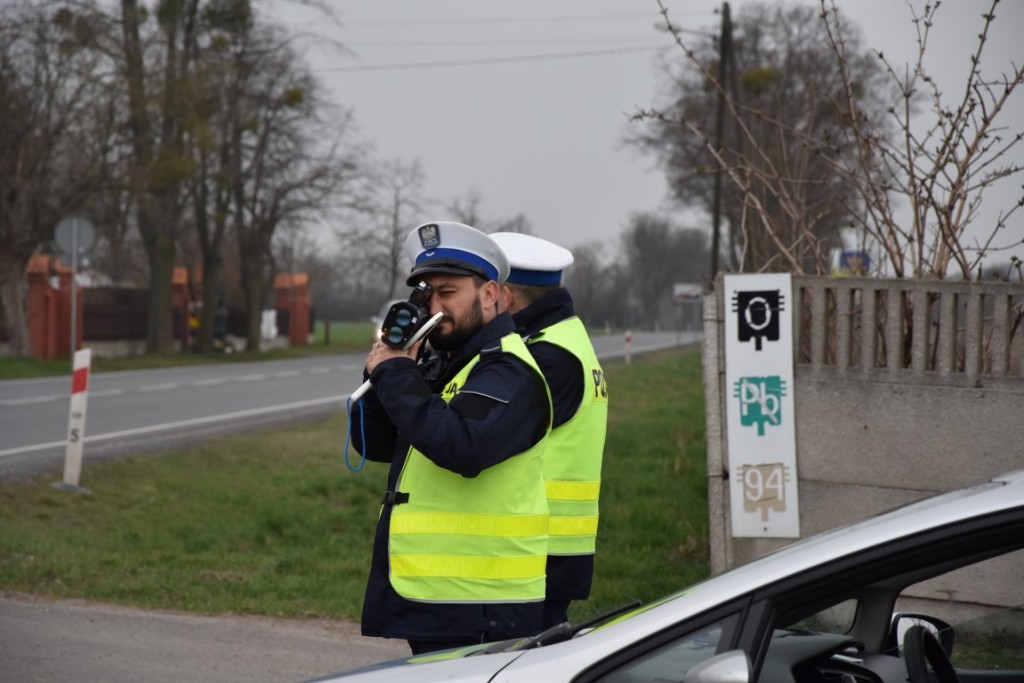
x,y
479,539
572,465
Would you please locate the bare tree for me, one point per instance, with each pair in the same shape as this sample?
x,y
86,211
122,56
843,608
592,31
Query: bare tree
x,y
158,103
754,123
49,86
944,160
292,165
586,281
467,210
213,138
391,205
657,254
790,178
518,223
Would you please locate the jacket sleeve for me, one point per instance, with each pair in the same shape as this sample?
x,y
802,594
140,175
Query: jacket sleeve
x,y
500,411
564,374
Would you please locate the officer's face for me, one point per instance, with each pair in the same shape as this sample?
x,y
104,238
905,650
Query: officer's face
x,y
466,308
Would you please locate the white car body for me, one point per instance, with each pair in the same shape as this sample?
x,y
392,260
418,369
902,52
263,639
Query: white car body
x,y
963,514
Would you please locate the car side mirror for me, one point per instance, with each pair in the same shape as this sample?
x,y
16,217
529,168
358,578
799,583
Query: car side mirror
x,y
729,667
901,621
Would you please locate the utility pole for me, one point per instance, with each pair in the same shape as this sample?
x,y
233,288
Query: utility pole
x,y
724,55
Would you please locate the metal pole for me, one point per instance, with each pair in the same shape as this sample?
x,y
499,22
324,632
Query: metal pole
x,y
724,54
74,293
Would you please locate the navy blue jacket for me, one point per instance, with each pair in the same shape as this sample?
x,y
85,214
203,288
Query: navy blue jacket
x,y
569,576
472,432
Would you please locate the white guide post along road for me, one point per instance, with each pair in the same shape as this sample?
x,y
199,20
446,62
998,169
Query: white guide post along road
x,y
145,410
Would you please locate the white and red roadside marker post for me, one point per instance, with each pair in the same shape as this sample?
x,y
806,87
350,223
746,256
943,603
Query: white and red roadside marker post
x,y
76,423
629,344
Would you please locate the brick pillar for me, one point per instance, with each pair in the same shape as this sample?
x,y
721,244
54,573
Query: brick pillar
x,y
293,295
42,311
181,302
49,309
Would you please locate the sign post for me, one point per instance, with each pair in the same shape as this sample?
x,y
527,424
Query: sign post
x,y
76,423
759,413
74,236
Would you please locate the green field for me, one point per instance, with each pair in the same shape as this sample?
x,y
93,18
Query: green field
x,y
273,523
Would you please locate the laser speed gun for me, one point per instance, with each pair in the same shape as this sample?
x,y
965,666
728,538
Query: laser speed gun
x,y
403,323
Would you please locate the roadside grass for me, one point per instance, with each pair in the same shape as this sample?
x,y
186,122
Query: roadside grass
x,y
272,523
339,337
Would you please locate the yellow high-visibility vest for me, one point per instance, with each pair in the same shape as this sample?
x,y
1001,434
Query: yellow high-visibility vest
x,y
572,462
479,539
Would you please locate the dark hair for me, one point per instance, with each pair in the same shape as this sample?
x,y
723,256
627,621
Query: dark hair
x,y
528,294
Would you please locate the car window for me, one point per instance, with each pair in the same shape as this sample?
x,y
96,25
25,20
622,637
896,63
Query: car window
x,y
994,642
836,619
982,602
672,661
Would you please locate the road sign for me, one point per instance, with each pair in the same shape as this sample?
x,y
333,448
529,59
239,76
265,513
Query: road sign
x,y
683,292
851,263
760,414
74,236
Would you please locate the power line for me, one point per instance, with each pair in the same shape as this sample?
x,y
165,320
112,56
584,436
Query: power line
x,y
491,60
505,20
551,41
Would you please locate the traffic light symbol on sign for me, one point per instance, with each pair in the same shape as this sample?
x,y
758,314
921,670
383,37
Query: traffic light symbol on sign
x,y
757,315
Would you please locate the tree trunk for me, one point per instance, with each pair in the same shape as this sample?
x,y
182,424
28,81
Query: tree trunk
x,y
157,201
12,298
160,329
213,293
252,286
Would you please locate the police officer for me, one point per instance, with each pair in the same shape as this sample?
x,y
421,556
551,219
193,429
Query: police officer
x,y
460,547
543,313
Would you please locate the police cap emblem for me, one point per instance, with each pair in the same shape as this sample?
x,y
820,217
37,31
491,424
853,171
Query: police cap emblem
x,y
430,238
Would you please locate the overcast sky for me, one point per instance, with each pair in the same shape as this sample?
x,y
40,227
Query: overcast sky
x,y
527,102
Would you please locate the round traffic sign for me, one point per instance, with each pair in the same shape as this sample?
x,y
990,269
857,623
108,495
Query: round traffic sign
x,y
74,231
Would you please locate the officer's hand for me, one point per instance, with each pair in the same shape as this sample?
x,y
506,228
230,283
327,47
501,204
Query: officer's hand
x,y
381,352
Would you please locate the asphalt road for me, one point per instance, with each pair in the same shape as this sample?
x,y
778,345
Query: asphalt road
x,y
148,411
145,411
73,640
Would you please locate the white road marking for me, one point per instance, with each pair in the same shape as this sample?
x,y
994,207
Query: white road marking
x,y
33,399
250,378
106,392
320,370
183,423
288,373
159,387
208,382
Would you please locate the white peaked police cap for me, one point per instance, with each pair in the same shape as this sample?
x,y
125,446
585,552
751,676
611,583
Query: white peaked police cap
x,y
449,247
532,260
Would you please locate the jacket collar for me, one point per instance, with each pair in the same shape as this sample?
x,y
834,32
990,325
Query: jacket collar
x,y
446,365
544,312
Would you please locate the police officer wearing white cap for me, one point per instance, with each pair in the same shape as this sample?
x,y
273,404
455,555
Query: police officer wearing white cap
x,y
543,312
460,547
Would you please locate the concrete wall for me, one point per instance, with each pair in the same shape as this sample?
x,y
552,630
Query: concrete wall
x,y
929,396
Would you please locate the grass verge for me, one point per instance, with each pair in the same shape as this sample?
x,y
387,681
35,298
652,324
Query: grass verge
x,y
272,523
